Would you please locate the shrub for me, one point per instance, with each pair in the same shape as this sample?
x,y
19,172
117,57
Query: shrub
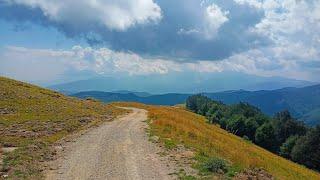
x,y
265,136
307,149
287,146
216,165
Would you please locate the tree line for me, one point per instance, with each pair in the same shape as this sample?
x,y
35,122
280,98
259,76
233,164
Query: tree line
x,y
281,134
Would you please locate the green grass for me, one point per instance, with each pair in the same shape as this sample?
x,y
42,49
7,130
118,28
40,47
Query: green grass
x,y
169,144
191,130
32,118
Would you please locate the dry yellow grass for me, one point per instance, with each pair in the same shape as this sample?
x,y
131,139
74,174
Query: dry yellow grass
x,y
191,130
32,118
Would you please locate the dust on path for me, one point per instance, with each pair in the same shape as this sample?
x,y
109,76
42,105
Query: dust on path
x,y
115,150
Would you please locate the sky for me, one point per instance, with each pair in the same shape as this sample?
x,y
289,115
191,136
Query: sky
x,y
53,41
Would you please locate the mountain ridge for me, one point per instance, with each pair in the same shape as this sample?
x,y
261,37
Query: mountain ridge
x,y
299,101
180,83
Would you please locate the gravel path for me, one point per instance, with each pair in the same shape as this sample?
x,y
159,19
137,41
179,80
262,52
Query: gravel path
x,y
115,150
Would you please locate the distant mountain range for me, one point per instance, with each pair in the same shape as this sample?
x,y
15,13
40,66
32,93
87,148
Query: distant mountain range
x,y
140,94
163,99
180,83
303,103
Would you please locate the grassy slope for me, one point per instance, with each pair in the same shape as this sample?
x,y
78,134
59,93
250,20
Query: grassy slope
x,y
192,130
32,118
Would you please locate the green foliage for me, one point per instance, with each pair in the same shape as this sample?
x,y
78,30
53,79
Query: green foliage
x,y
182,175
265,136
169,144
236,125
287,146
215,165
307,149
285,126
278,134
212,141
240,119
244,109
251,125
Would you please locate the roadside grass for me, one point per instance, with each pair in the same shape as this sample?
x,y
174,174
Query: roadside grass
x,y
169,144
210,141
33,118
182,175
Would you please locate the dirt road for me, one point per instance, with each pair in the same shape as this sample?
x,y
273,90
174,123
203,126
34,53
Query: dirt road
x,y
115,150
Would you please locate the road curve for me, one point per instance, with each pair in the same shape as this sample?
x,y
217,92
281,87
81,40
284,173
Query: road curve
x,y
115,150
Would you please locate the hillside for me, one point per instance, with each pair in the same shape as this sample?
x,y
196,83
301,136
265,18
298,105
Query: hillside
x,y
312,117
303,103
177,126
32,118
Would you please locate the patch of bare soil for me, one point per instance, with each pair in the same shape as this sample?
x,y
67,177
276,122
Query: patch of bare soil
x,y
180,158
254,174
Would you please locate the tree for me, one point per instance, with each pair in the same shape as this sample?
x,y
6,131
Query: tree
x,y
307,149
265,136
214,114
285,126
251,126
191,103
244,109
287,146
236,125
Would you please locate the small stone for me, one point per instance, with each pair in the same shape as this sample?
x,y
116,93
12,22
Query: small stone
x,y
52,168
154,139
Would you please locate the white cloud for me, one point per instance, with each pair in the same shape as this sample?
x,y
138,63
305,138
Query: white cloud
x,y
287,20
33,64
293,28
254,3
115,15
288,61
188,31
214,19
45,64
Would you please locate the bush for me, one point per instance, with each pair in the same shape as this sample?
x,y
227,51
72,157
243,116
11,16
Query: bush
x,y
216,165
307,149
286,147
265,137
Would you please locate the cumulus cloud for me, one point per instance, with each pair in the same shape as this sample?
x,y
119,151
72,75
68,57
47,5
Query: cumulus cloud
x,y
213,19
121,24
260,37
46,64
115,15
287,20
286,61
293,27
